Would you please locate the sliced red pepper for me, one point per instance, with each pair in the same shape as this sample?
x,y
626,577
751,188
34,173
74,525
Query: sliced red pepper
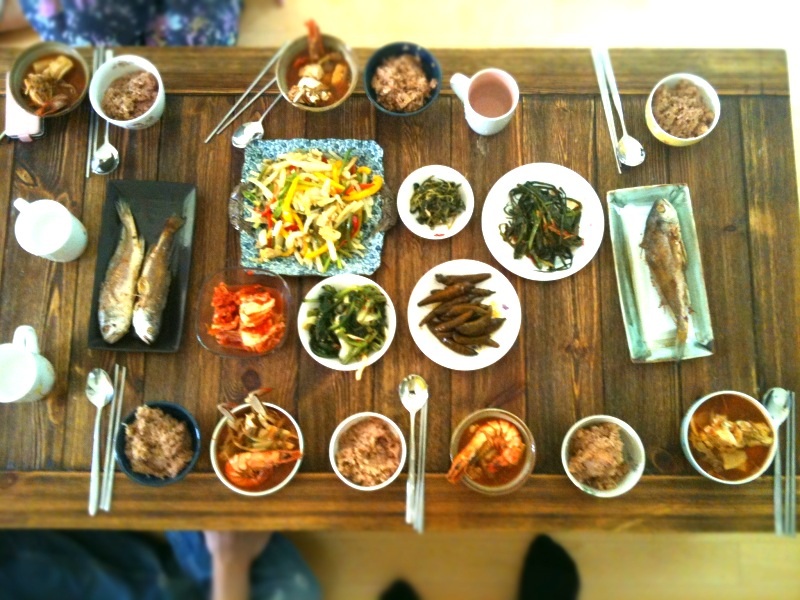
x,y
267,214
356,226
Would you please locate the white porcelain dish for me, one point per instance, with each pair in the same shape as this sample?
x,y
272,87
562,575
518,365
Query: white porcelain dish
x,y
591,226
406,191
340,282
505,302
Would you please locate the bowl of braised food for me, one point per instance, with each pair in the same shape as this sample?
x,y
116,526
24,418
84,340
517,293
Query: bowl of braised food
x,y
49,79
603,456
257,447
728,437
402,79
158,443
242,313
367,451
317,72
492,452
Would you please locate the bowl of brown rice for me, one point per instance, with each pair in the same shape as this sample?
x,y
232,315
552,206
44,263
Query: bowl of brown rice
x,y
682,109
402,79
367,451
158,443
603,456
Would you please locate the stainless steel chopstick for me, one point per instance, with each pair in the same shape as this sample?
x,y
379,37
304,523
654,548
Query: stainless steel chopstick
x,y
109,490
258,95
790,504
777,486
263,72
602,81
419,503
109,440
91,143
412,475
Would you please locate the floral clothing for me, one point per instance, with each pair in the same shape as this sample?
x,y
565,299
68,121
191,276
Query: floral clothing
x,y
135,22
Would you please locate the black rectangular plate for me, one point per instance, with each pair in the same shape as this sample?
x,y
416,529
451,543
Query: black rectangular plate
x,y
152,203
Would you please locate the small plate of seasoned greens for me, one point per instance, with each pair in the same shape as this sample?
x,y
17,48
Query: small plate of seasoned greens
x,y
435,202
464,315
543,221
346,322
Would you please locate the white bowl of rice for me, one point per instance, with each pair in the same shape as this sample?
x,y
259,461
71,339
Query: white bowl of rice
x,y
367,451
603,456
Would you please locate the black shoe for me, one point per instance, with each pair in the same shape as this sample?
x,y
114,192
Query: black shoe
x,y
399,590
549,573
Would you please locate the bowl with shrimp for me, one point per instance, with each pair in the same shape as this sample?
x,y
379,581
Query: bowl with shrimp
x,y
492,452
317,72
257,447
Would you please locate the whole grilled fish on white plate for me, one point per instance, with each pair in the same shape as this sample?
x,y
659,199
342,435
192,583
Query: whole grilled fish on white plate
x,y
118,291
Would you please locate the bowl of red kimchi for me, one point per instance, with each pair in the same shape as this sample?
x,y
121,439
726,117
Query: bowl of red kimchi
x,y
243,313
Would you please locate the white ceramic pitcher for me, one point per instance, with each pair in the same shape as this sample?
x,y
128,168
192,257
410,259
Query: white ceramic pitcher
x,y
46,228
25,375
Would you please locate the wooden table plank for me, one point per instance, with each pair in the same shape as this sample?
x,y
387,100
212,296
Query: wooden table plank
x,y
321,501
197,70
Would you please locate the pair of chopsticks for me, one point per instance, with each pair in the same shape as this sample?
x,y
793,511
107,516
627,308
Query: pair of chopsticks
x,y
98,58
415,513
230,116
107,486
786,488
605,79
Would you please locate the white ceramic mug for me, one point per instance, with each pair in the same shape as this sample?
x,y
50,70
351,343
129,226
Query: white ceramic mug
x,y
490,98
117,67
46,228
25,375
687,419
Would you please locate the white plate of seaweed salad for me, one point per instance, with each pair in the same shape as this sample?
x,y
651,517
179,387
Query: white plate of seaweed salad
x,y
543,221
346,322
464,315
435,202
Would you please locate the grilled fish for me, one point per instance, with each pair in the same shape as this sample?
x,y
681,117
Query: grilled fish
x,y
118,292
666,257
153,284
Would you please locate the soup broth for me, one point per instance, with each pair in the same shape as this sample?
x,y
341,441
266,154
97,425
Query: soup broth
x,y
49,88
706,432
476,471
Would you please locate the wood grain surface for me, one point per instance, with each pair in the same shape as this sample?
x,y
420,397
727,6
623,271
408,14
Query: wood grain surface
x,y
571,359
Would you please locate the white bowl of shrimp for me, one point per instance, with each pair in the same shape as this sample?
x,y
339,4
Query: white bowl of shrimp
x,y
256,448
492,452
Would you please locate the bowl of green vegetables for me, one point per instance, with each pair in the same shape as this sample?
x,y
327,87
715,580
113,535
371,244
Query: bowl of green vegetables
x,y
435,202
347,322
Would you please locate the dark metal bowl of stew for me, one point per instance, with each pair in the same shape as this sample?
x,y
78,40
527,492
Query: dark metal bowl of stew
x,y
49,79
337,56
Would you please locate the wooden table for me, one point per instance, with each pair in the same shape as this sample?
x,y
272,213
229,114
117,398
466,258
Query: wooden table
x,y
571,359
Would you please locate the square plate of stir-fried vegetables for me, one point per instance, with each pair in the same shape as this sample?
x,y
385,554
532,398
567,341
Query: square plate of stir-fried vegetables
x,y
543,221
315,206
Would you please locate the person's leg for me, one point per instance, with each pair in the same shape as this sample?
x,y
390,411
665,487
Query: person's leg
x,y
548,573
281,572
85,566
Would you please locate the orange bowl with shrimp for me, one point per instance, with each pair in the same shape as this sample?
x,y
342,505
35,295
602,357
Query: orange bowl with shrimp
x,y
492,451
256,448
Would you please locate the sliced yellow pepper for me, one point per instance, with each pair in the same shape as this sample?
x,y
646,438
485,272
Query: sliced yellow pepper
x,y
366,170
315,253
372,188
287,201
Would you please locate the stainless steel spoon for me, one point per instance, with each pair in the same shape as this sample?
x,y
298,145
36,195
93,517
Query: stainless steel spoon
x,y
106,157
99,391
629,150
413,392
254,130
777,401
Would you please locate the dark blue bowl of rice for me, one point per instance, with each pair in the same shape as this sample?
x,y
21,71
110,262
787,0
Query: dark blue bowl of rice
x,y
402,79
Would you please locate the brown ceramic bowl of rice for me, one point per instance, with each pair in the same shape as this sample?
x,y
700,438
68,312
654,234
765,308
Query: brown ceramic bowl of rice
x,y
603,456
367,451
158,443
